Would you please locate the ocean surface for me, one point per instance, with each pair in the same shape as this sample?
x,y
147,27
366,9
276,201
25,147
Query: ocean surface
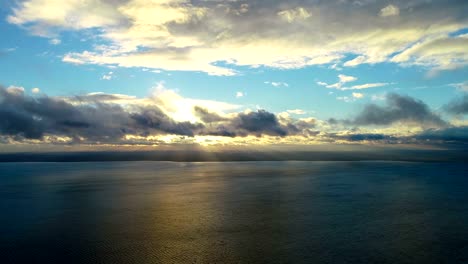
x,y
234,212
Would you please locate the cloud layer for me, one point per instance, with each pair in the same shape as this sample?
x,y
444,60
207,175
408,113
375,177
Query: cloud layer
x,y
216,36
117,119
101,118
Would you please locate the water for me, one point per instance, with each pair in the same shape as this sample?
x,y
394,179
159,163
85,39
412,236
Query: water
x,y
234,212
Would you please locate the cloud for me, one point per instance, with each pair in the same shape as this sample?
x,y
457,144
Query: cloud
x,y
358,95
260,122
92,120
44,15
356,61
366,137
216,37
343,79
107,76
458,106
55,41
445,135
463,86
6,51
296,111
440,53
277,84
166,116
100,97
378,97
292,15
365,86
35,90
206,116
17,90
352,98
98,118
399,108
389,10
346,99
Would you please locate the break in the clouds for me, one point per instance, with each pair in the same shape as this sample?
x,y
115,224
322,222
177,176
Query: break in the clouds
x,y
100,118
216,37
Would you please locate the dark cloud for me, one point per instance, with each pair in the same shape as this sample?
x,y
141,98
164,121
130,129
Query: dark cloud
x,y
97,118
14,122
333,121
220,130
152,118
207,116
32,118
256,123
399,108
260,122
459,106
99,97
451,134
368,137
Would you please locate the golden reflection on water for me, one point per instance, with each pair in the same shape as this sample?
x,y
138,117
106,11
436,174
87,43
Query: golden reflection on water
x,y
234,212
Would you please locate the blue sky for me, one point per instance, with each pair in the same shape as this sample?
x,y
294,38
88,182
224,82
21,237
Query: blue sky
x,y
273,55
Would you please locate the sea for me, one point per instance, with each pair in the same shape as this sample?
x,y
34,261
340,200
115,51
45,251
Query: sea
x,y
234,212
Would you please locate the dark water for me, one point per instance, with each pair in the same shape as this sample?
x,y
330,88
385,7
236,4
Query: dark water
x,y
240,212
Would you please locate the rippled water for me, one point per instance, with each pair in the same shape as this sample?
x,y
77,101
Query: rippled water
x,y
234,212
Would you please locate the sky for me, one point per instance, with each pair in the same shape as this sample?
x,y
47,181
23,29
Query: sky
x,y
214,72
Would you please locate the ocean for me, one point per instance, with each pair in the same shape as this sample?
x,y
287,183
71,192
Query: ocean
x,y
234,212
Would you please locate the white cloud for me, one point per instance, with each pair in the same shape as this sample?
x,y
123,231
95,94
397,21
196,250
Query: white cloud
x,y
352,98
358,95
342,80
239,94
107,76
365,86
346,99
389,10
72,14
355,62
336,67
7,50
345,78
188,35
297,111
70,59
12,89
55,41
35,90
441,53
277,84
181,108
